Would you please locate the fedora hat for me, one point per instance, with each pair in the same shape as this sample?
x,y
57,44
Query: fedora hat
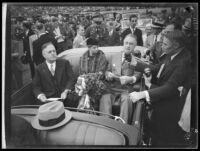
x,y
50,116
157,25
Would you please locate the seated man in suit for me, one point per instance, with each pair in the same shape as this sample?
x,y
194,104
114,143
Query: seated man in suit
x,y
163,93
54,78
133,30
125,81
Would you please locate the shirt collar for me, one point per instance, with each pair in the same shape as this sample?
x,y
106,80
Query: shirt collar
x,y
27,32
49,65
132,29
173,56
41,34
111,32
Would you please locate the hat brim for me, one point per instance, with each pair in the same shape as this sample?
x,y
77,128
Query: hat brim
x,y
35,122
186,28
153,26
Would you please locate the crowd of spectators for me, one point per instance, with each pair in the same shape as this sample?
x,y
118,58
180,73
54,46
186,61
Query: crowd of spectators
x,y
67,27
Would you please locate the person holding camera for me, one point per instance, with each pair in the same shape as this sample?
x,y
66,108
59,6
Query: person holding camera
x,y
27,33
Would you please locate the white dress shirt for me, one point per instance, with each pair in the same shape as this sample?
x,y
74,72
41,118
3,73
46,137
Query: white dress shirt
x,y
132,30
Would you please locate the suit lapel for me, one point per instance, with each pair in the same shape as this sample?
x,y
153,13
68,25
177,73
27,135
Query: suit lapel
x,y
47,72
58,71
171,65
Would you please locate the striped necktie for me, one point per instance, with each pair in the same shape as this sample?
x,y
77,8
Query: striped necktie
x,y
52,70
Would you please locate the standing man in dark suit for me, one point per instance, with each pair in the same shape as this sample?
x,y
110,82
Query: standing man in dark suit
x,y
37,44
164,93
113,38
54,78
132,29
27,33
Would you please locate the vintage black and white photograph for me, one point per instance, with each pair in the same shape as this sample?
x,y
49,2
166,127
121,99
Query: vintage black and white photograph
x,y
116,75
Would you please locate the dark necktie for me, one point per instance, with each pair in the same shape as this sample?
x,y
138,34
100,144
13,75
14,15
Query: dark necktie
x,y
156,39
127,57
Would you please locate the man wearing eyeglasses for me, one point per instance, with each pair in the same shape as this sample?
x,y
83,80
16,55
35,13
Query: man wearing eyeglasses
x,y
134,30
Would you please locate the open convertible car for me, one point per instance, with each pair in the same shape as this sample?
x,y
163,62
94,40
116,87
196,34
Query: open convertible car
x,y
86,127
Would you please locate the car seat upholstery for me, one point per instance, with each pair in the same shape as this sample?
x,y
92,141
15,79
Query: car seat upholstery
x,y
83,129
82,133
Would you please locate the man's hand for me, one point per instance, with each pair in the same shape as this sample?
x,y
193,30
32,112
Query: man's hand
x,y
64,94
136,96
42,98
147,80
126,79
109,76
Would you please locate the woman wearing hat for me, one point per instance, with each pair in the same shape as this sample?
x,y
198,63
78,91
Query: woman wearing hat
x,y
93,60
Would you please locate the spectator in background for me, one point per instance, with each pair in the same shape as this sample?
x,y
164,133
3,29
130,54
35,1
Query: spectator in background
x,y
118,18
97,30
155,35
43,37
49,28
18,29
150,15
16,66
27,33
186,27
113,38
60,35
80,40
148,31
32,38
133,30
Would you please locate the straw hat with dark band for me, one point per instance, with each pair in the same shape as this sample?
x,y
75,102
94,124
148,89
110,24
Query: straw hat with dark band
x,y
50,116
